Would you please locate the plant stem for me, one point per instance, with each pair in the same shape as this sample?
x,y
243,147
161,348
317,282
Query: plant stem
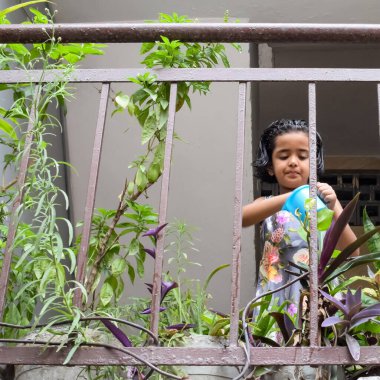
x,y
103,245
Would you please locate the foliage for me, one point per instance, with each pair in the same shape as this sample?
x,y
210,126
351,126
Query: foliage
x,y
373,243
347,318
329,270
353,315
149,104
181,308
43,261
356,323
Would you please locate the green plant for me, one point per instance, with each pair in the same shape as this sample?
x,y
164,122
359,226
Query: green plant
x,y
183,308
43,264
149,105
347,318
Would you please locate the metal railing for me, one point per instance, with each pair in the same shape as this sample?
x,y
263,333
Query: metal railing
x,y
233,354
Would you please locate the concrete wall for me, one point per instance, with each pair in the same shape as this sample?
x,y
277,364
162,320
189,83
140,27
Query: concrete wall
x,y
308,11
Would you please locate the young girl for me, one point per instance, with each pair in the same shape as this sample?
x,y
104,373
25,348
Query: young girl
x,y
283,157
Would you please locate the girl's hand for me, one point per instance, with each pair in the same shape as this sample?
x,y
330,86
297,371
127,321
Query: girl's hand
x,y
327,194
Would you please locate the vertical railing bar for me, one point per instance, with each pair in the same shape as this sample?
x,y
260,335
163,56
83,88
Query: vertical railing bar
x,y
378,106
314,339
158,262
237,223
4,276
91,191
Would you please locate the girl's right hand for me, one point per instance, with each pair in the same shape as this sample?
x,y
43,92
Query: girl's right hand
x,y
327,194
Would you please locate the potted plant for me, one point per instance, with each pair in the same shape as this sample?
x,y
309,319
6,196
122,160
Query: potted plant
x,y
347,317
185,319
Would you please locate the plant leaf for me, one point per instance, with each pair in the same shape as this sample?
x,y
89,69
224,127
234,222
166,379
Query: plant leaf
x,y
265,340
71,353
333,235
8,129
330,321
213,273
354,262
122,100
117,333
347,252
350,281
335,302
353,302
146,46
365,315
284,323
118,266
373,243
22,5
324,219
149,129
353,347
106,293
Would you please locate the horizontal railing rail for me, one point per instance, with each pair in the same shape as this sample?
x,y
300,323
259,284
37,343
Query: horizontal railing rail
x,y
191,32
233,356
187,75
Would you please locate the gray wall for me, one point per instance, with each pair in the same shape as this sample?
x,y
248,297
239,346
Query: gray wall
x,y
309,11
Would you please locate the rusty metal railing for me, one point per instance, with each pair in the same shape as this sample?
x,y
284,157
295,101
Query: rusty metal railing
x,y
231,355
192,32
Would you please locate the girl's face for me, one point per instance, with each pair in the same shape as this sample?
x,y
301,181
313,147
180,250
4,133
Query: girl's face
x,y
290,160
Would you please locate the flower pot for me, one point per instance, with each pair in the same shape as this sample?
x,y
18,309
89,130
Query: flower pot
x,y
305,373
208,372
34,372
42,372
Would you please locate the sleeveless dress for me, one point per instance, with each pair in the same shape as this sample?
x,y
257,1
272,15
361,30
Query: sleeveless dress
x,y
283,242
281,235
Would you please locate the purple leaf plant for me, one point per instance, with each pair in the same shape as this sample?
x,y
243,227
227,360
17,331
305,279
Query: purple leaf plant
x,y
353,315
328,267
151,252
117,333
153,233
181,326
166,287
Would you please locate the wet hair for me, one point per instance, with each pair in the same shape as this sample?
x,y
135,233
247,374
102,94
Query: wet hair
x,y
267,144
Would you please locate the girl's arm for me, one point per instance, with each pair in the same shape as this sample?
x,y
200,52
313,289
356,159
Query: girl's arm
x,y
329,196
261,208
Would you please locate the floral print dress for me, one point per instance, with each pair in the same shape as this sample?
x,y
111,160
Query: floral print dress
x,y
282,243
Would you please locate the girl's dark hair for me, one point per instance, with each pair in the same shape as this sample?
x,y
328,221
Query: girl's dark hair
x,y
267,143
